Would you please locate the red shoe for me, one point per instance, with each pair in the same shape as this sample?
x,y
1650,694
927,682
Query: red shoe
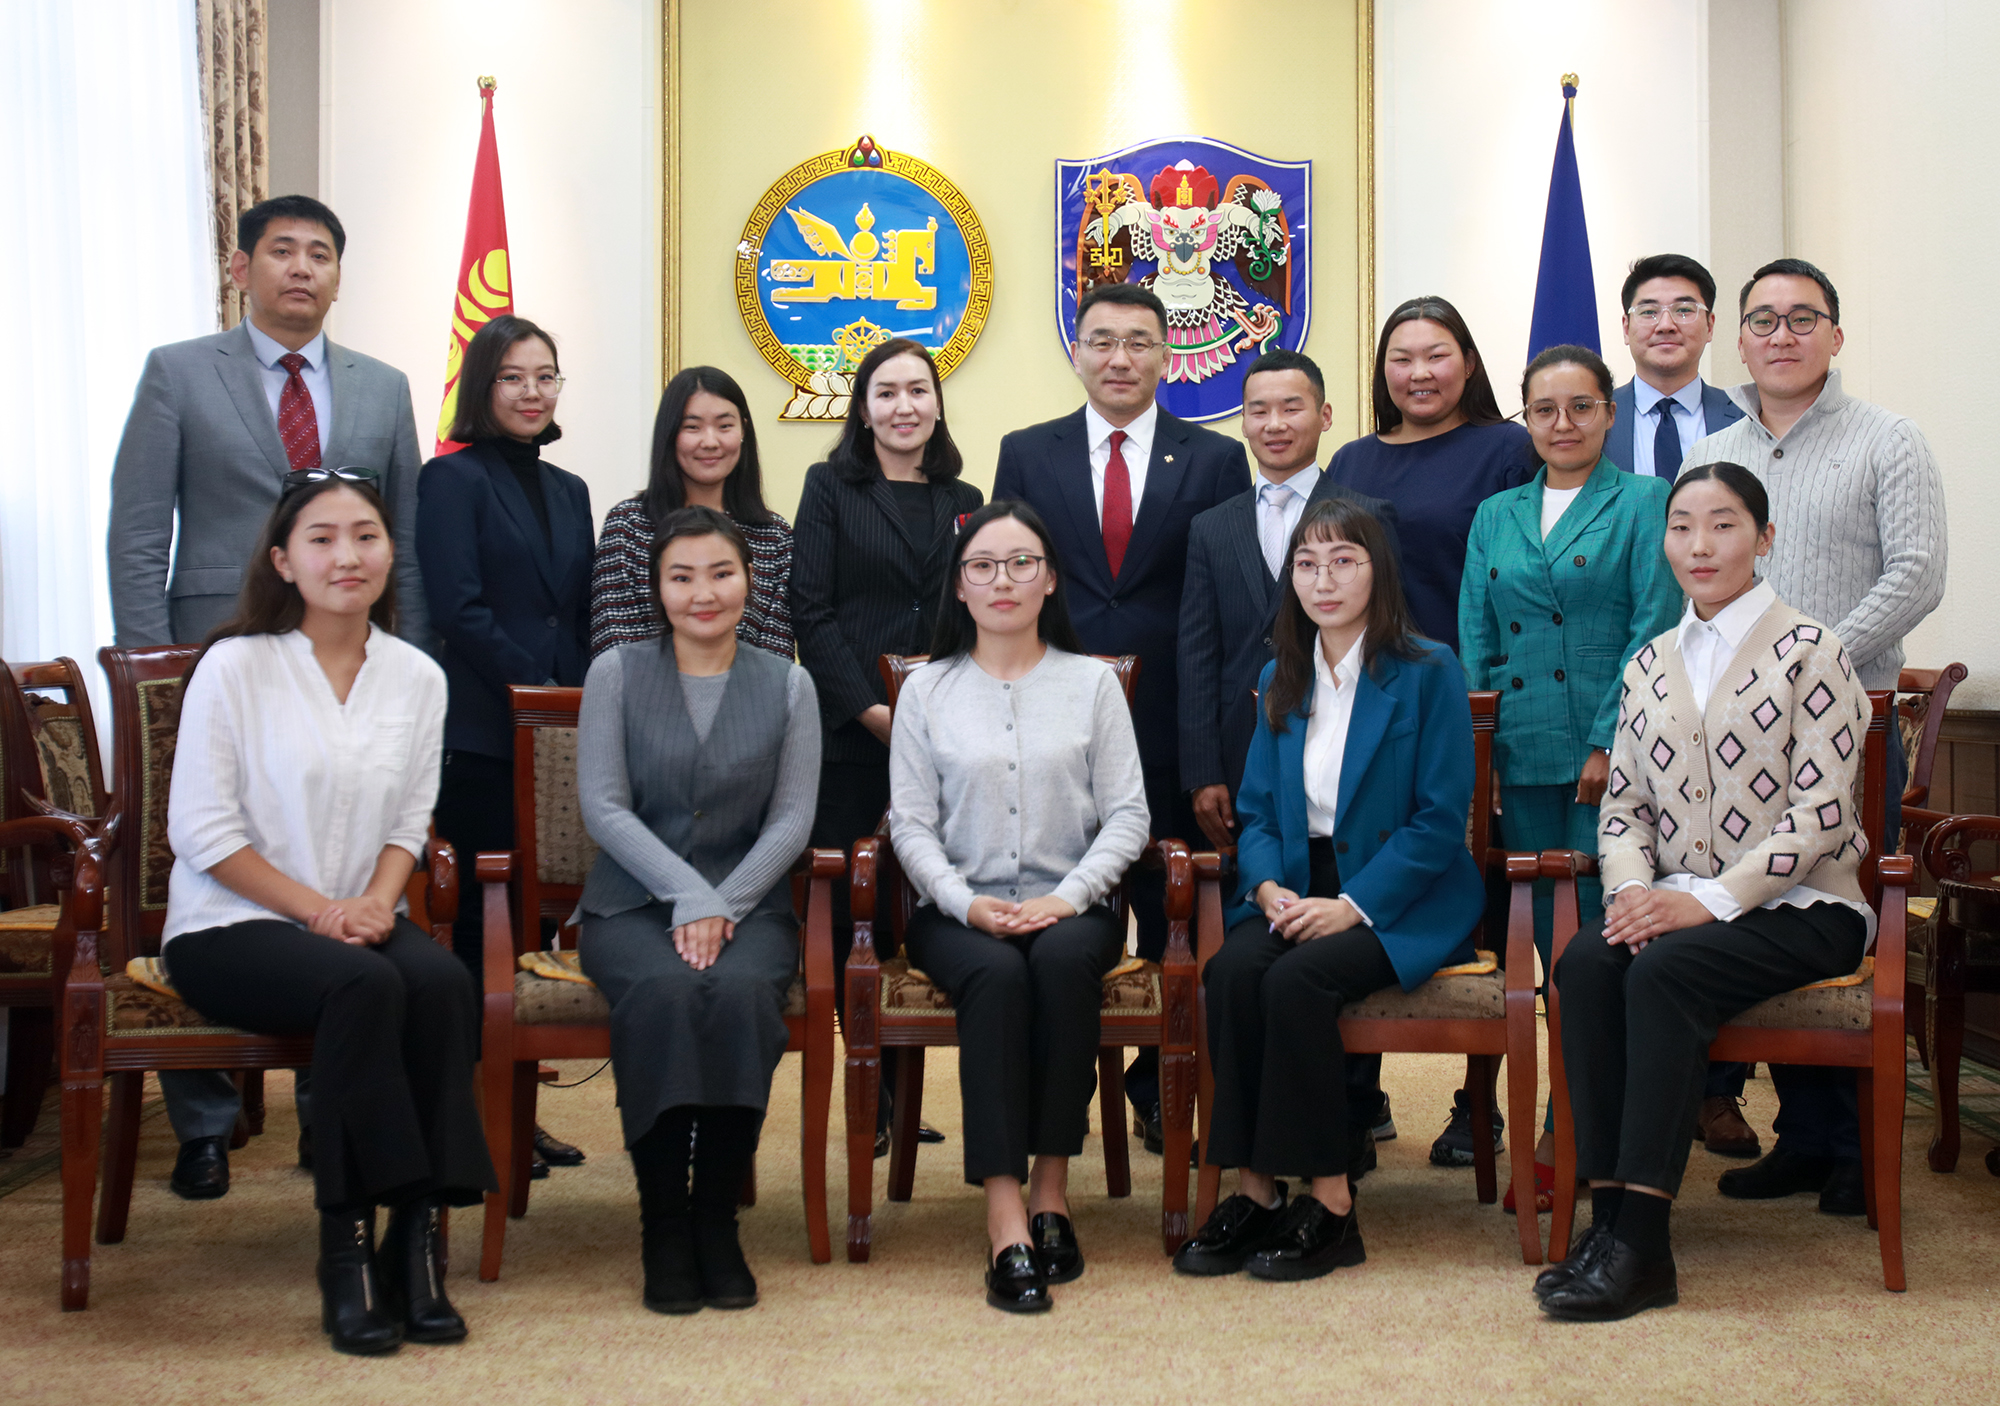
x,y
1545,1191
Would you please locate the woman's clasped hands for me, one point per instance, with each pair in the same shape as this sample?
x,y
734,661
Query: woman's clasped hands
x,y
1002,919
1636,916
362,922
700,942
1302,919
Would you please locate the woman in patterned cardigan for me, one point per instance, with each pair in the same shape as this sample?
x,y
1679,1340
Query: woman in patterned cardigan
x,y
1730,854
704,455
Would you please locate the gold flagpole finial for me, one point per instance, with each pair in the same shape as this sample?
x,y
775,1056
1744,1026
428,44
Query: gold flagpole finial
x,y
488,84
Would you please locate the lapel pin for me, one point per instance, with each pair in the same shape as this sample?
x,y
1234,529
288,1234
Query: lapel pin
x,y
1170,458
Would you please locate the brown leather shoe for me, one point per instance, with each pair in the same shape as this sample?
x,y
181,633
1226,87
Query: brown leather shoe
x,y
1722,1130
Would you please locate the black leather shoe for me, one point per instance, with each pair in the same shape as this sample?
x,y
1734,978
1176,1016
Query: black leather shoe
x,y
1234,1231
1014,1282
354,1310
1582,1255
1360,1153
412,1261
926,1133
1845,1194
538,1170
726,1280
201,1172
1780,1174
1146,1124
882,1143
1617,1285
1309,1242
1056,1250
555,1151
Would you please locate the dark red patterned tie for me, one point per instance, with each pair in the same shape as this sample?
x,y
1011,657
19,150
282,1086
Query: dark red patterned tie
x,y
298,423
1117,504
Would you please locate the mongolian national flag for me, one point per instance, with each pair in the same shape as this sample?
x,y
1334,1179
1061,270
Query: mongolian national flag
x,y
485,288
1565,296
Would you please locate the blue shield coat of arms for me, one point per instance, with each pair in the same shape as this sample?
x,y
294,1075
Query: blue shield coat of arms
x,y
1221,235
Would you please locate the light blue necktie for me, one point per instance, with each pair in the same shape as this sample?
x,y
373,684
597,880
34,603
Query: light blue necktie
x,y
1271,532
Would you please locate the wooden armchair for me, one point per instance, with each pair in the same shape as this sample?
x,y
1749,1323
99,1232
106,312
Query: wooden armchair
x,y
1483,1015
48,757
1858,1025
1954,965
113,1026
545,1008
890,1005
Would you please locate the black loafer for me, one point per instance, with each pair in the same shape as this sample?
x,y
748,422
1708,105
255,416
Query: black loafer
x,y
1581,1256
1014,1282
1616,1285
1845,1193
1056,1249
1234,1231
201,1171
1310,1241
538,1170
926,1133
555,1151
1146,1126
1782,1173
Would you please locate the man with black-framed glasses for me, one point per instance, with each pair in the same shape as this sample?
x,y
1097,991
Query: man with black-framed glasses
x,y
1859,506
1669,302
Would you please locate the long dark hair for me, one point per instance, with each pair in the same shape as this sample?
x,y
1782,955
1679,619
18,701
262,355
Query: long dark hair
x,y
696,521
1388,627
1738,480
957,633
1478,404
743,490
853,456
472,416
268,604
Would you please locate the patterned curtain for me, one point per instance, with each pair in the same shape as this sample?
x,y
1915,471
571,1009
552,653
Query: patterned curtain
x,y
235,57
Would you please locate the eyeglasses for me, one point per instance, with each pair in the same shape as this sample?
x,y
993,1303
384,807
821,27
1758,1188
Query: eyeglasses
x,y
1340,570
1582,413
1683,312
984,571
1103,344
299,478
1763,322
515,386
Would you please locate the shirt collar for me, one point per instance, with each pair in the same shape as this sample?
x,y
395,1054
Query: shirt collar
x,y
1734,621
1830,399
1645,397
1344,675
268,350
1099,429
1302,483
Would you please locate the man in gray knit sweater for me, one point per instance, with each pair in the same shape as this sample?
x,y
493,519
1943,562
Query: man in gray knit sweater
x,y
1859,507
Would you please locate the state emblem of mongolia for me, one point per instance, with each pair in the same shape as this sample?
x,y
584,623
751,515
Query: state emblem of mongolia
x,y
848,250
1221,235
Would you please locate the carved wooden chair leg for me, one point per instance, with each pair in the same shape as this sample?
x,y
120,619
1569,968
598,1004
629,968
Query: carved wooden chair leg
x,y
818,1093
1945,1010
521,1155
864,1091
121,1155
1864,1097
1176,1140
1111,1113
82,1132
906,1117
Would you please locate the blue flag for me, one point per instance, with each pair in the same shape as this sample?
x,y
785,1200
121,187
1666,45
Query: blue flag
x,y
1565,296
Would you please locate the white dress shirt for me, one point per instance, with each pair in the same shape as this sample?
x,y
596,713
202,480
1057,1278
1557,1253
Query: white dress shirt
x,y
1690,419
268,758
1326,739
1279,508
1137,450
1707,646
319,381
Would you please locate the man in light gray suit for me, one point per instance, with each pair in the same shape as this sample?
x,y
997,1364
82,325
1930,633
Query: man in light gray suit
x,y
215,426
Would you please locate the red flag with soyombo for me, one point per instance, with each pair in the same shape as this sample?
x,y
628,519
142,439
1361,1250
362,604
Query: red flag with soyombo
x,y
485,288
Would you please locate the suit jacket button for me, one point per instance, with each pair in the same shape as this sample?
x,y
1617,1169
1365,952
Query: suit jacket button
x,y
697,815
1515,627
1579,561
1557,618
1340,847
1493,573
1267,641
1114,605
1517,683
1559,676
553,622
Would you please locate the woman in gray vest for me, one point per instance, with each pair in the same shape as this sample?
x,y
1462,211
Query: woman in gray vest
x,y
1016,805
697,768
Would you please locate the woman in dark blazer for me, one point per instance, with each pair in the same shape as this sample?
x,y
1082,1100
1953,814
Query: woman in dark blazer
x,y
1352,875
506,545
874,536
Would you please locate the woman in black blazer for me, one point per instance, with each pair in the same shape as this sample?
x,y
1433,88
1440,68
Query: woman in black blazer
x,y
873,539
505,542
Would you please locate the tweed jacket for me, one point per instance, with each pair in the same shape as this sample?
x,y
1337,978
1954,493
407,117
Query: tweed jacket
x,y
1550,622
1757,792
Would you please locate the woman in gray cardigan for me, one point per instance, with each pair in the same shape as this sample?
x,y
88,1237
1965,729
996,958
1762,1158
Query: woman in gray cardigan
x,y
1016,805
697,769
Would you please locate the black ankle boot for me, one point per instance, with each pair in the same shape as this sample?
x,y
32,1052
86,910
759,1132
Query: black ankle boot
x,y
726,1280
725,1144
666,1237
353,1308
412,1261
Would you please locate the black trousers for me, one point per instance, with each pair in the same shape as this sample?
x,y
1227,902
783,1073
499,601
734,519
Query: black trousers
x,y
1281,1073
474,813
1636,1028
1029,1019
395,1032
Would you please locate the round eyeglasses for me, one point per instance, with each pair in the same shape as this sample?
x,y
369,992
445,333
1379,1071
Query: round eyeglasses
x,y
984,571
1582,412
515,386
1338,569
1763,322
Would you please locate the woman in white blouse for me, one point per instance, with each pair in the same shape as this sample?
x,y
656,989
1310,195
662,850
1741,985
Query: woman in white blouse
x,y
306,768
1016,806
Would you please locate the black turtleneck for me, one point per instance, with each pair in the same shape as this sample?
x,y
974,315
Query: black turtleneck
x,y
526,462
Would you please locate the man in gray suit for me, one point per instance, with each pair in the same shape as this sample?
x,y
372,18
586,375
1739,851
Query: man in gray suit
x,y
215,426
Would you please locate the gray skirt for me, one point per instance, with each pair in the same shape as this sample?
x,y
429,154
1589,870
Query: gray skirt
x,y
679,1036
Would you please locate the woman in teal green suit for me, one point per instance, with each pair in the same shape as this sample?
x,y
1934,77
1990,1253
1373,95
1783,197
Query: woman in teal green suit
x,y
1565,580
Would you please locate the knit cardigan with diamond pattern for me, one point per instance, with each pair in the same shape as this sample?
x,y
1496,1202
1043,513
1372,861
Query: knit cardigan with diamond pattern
x,y
1758,790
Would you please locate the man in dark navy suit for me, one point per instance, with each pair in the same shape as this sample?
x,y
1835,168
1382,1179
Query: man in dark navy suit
x,y
1669,302
1118,482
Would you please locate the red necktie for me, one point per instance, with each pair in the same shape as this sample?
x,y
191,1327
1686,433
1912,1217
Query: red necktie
x,y
1117,504
298,424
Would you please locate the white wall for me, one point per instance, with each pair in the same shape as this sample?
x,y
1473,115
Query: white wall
x,y
577,121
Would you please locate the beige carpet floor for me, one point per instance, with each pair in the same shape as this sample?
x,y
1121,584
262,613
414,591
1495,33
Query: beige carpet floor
x,y
215,1302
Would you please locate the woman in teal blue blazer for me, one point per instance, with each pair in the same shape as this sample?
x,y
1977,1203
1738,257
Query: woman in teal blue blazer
x,y
1352,876
1565,580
